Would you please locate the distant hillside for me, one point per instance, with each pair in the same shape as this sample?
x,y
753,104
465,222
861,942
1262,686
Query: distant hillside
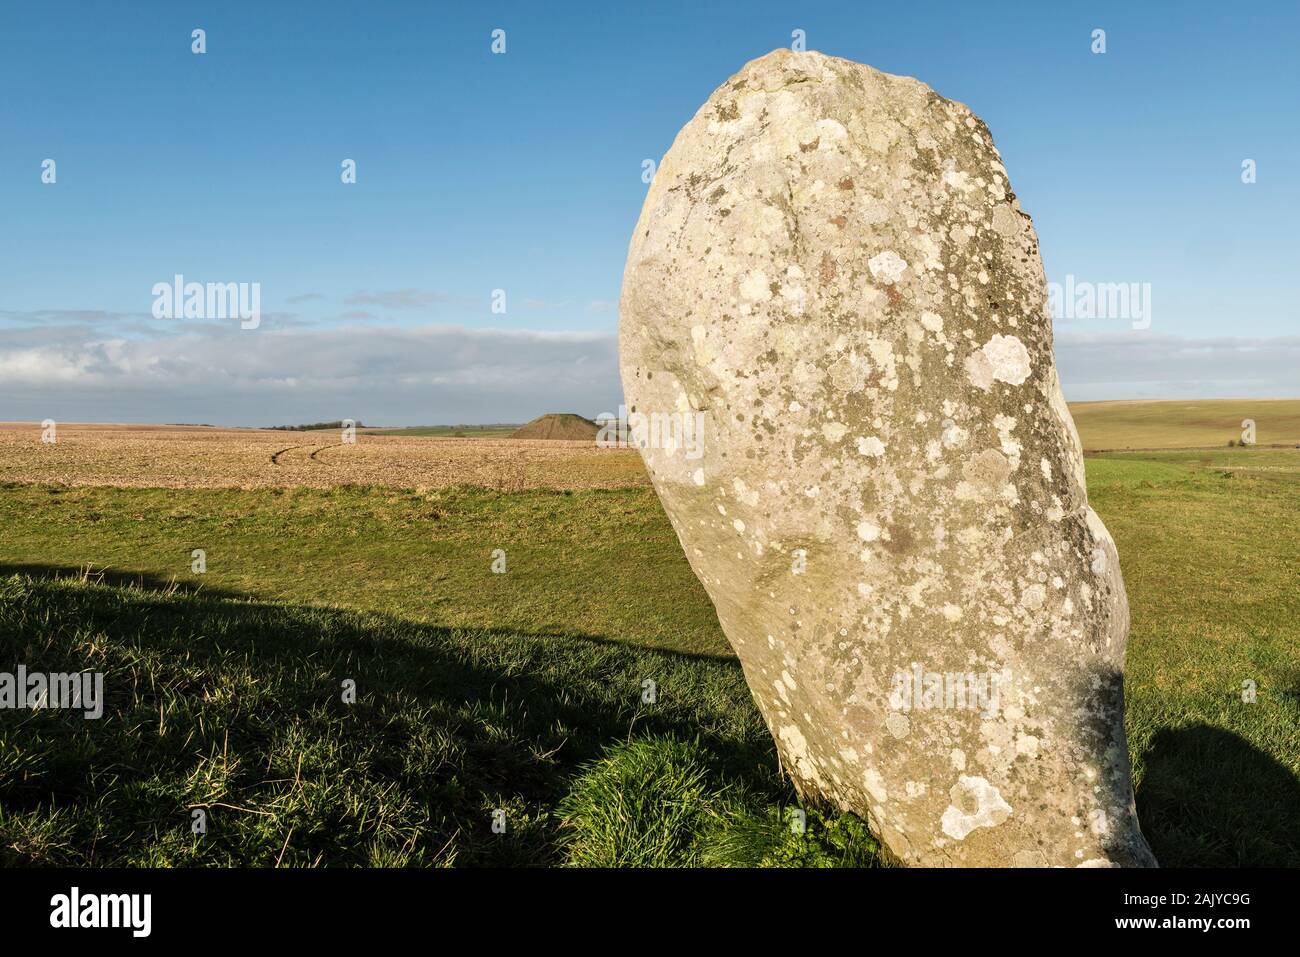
x,y
492,431
559,425
311,427
1200,423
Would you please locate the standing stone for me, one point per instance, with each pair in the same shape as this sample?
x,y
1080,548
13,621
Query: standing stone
x,y
889,511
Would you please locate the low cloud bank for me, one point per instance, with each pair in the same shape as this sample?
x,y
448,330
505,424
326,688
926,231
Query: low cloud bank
x,y
215,373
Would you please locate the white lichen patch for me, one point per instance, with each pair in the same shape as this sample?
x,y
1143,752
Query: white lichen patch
x,y
834,431
868,531
1008,358
781,690
756,287
875,785
743,492
887,266
870,445
796,746
1001,359
1033,596
975,803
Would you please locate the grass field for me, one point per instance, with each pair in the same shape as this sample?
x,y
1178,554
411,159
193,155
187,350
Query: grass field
x,y
1209,423
575,562
523,692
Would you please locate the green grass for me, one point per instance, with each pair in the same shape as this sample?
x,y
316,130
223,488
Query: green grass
x,y
1253,462
650,802
1209,559
774,837
235,706
522,691
575,561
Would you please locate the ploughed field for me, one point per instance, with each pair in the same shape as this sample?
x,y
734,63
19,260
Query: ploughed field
x,y
164,456
524,692
132,456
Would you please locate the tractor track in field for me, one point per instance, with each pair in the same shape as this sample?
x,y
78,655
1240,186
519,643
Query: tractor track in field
x,y
275,459
314,455
322,449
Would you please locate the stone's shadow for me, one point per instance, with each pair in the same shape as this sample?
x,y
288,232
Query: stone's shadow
x,y
456,720
1209,798
188,584
118,578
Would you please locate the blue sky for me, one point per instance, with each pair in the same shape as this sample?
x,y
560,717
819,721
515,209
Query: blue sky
x,y
522,171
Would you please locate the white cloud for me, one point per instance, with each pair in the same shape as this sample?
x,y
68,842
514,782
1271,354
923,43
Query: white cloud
x,y
397,299
215,372
225,375
1139,365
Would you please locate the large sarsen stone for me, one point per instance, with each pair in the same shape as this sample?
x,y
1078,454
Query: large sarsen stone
x,y
889,513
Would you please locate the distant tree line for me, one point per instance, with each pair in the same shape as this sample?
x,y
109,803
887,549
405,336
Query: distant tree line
x,y
312,427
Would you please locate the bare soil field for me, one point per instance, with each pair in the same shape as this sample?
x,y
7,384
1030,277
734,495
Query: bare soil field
x,y
183,456
156,456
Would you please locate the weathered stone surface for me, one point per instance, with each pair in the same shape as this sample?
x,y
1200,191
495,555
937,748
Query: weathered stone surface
x,y
890,506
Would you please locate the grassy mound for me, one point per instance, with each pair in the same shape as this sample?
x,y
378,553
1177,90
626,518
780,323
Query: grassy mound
x,y
558,425
647,803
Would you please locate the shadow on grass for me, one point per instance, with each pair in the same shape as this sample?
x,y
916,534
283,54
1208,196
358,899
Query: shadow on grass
x,y
148,581
237,707
118,578
1209,798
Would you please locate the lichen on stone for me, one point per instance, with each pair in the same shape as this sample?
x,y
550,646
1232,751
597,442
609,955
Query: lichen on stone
x,y
831,266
